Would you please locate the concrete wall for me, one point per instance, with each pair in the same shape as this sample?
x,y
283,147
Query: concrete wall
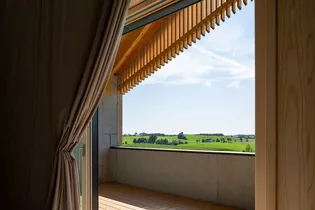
x,y
228,179
108,128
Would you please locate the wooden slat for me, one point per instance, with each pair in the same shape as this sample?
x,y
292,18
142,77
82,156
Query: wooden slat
x,y
176,32
233,7
181,29
133,78
169,29
160,50
189,21
217,18
139,70
185,27
208,11
165,40
198,19
155,50
203,16
228,10
128,73
223,11
239,4
158,41
173,29
194,22
212,8
142,64
162,43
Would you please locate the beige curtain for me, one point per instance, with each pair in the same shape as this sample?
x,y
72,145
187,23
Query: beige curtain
x,y
96,75
55,58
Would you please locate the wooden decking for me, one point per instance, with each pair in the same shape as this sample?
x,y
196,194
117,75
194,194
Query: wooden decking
x,y
116,196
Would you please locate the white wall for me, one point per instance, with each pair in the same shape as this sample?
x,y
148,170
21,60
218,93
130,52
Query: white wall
x,y
228,179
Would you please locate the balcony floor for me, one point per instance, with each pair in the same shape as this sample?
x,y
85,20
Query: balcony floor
x,y
114,196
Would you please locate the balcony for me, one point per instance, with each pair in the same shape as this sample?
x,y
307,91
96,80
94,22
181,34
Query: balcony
x,y
172,179
123,197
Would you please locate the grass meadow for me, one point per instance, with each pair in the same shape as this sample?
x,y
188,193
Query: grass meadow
x,y
234,146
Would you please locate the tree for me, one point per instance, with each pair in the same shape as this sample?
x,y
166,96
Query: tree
x,y
241,139
222,140
136,133
161,141
186,142
134,141
142,140
165,141
249,148
152,139
181,136
126,142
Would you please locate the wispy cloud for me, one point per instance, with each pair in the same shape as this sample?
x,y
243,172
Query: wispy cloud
x,y
235,83
183,70
226,55
235,72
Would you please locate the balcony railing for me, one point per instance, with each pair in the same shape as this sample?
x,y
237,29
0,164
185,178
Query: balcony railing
x,y
219,177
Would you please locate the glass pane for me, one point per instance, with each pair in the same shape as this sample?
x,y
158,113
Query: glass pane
x,y
78,154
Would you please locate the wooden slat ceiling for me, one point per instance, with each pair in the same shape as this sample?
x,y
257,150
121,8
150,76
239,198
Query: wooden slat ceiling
x,y
149,48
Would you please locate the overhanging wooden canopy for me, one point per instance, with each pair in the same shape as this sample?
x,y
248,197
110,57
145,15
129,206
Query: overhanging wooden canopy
x,y
147,49
143,12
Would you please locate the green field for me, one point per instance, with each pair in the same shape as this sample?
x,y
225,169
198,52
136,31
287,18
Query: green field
x,y
234,146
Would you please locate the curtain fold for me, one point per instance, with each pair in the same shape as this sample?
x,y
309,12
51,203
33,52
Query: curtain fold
x,y
56,56
65,184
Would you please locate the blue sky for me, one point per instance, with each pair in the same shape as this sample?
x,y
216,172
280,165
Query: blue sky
x,y
209,88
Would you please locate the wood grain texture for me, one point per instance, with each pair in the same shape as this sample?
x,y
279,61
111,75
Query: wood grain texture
x,y
296,105
174,34
265,104
122,197
132,43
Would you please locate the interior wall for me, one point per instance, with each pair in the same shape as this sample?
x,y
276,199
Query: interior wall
x,y
296,104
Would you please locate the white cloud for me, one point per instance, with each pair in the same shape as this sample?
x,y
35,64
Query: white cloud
x,y
225,55
235,84
234,70
208,84
183,70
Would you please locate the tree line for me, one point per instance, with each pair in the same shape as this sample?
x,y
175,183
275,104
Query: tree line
x,y
209,134
222,140
153,140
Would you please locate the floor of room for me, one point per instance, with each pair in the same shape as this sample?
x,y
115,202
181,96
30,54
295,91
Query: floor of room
x,y
114,196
